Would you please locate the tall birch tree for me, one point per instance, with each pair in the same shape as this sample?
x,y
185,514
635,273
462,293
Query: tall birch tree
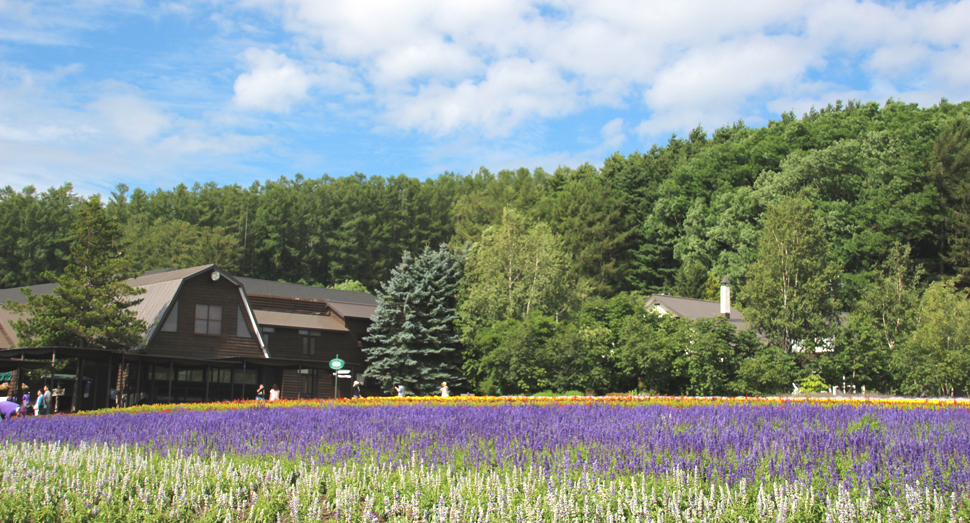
x,y
791,287
517,268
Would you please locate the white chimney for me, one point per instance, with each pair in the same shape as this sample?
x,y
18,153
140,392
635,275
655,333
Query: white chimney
x,y
726,298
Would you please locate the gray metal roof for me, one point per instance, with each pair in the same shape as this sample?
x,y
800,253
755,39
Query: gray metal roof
x,y
295,320
691,308
256,287
162,287
154,304
14,294
8,336
168,275
148,278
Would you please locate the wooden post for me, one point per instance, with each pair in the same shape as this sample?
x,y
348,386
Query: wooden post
x,y
75,400
152,369
107,390
138,385
121,382
208,379
171,375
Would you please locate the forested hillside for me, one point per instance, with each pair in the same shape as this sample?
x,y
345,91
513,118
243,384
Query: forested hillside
x,y
884,190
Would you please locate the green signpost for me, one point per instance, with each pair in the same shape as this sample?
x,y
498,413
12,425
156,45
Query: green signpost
x,y
336,364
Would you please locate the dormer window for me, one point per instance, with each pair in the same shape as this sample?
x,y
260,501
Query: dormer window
x,y
208,320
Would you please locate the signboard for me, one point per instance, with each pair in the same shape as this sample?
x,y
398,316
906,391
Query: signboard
x,y
336,364
57,392
343,371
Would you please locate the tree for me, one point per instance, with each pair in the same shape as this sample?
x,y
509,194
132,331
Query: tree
x,y
791,287
884,317
691,280
35,233
167,244
951,168
350,285
934,361
91,305
414,338
516,356
712,355
768,371
585,211
516,269
646,348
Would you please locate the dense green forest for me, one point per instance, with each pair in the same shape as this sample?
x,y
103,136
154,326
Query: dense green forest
x,y
844,233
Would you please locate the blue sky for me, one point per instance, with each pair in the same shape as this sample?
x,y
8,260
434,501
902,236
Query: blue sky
x,y
97,92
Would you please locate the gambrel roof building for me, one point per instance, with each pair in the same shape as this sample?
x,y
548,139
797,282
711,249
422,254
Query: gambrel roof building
x,y
212,336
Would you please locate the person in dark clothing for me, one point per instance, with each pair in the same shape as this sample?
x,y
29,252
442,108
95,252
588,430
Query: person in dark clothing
x,y
355,390
47,405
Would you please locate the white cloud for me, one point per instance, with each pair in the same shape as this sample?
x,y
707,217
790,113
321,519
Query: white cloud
x,y
133,118
47,137
512,91
175,8
274,82
435,66
613,135
502,74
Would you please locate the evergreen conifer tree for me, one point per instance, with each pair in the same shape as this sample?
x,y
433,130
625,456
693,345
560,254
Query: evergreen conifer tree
x,y
91,305
413,337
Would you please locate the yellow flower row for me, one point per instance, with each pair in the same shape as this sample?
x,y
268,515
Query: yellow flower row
x,y
619,401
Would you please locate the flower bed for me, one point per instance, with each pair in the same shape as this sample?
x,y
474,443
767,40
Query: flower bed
x,y
624,459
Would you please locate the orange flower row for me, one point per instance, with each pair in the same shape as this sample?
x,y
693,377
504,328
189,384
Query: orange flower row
x,y
619,401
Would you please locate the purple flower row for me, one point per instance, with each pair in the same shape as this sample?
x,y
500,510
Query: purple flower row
x,y
869,447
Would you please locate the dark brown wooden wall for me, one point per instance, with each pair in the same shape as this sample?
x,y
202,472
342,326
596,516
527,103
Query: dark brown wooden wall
x,y
288,343
292,385
358,327
185,343
273,303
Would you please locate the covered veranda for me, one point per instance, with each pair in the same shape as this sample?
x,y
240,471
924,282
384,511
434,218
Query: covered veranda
x,y
83,379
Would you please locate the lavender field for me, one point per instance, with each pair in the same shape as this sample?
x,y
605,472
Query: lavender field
x,y
571,461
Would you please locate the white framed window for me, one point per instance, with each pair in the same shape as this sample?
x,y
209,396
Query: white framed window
x,y
242,330
208,320
172,322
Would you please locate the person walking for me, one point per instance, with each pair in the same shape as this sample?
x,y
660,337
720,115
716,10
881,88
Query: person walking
x,y
274,393
355,390
444,390
260,393
399,389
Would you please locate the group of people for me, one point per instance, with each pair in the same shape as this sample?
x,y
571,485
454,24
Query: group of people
x,y
401,391
42,406
274,393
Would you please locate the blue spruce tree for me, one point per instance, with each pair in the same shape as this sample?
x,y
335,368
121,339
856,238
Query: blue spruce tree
x,y
413,339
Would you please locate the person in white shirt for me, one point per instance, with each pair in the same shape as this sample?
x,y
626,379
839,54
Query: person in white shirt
x,y
444,390
274,393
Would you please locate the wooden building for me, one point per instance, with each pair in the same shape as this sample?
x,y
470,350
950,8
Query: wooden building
x,y
214,337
